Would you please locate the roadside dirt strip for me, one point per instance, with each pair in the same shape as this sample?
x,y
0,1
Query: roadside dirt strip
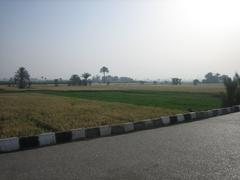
x,y
52,138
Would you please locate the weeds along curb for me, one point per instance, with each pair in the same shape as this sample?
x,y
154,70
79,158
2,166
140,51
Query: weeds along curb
x,y
51,138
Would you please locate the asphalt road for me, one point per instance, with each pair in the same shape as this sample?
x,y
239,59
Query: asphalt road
x,y
208,149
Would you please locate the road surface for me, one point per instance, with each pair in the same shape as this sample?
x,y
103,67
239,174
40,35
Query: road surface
x,y
208,149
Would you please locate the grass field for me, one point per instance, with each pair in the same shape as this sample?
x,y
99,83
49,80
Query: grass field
x,y
47,108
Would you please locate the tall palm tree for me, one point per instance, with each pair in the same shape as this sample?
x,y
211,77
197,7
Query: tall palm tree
x,y
104,70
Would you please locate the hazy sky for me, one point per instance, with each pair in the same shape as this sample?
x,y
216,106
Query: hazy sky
x,y
142,39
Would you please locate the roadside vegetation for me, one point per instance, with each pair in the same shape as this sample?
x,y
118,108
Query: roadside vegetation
x,y
232,95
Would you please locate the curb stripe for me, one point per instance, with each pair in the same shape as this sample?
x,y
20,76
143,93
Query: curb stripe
x,y
117,129
180,118
139,125
210,113
47,139
9,144
193,115
62,137
148,124
173,119
187,117
215,112
157,122
236,108
21,143
28,142
92,132
128,127
105,130
78,134
165,120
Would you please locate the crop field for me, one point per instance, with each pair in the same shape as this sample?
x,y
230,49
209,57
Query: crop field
x,y
52,108
32,113
201,88
172,100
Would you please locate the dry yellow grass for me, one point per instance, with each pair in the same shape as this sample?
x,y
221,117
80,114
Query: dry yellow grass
x,y
28,114
206,88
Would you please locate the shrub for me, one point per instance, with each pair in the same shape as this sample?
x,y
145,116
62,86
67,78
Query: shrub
x,y
232,95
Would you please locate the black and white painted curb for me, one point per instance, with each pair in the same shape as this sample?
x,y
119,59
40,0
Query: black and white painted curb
x,y
51,138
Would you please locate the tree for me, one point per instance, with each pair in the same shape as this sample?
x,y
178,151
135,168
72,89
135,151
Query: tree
x,y
96,79
116,79
232,95
22,78
56,82
214,78
196,82
166,82
75,80
86,76
221,78
104,70
125,79
176,81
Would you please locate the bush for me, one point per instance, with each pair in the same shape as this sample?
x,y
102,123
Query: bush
x,y
232,95
196,82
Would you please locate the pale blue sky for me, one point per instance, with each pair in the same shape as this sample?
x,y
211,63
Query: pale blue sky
x,y
142,39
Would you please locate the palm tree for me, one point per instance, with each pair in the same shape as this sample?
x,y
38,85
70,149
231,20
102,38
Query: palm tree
x,y
104,70
22,78
85,76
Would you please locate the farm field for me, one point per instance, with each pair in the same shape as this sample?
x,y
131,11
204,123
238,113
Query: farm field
x,y
52,108
202,88
172,100
24,114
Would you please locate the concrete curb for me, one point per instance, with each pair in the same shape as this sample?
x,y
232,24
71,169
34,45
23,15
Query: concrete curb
x,y
51,138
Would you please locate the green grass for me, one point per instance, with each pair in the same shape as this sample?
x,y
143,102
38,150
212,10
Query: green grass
x,y
172,100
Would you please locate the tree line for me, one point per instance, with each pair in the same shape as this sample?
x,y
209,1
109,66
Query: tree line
x,y
22,80
211,78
